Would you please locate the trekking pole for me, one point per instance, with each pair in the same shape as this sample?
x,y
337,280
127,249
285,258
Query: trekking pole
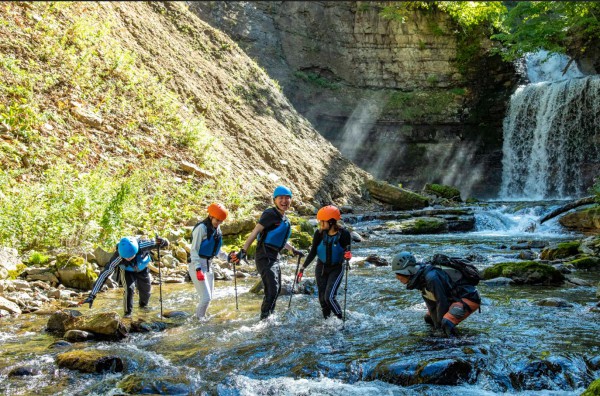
x,y
235,285
347,265
294,283
159,281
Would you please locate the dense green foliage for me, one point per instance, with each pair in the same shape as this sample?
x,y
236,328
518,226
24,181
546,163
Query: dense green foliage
x,y
557,26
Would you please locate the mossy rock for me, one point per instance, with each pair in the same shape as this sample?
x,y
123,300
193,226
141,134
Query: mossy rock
x,y
89,361
301,224
585,263
442,191
593,389
301,240
562,250
423,225
136,384
75,271
525,272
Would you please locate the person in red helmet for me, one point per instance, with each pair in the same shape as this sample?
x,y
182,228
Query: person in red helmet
x,y
207,240
331,246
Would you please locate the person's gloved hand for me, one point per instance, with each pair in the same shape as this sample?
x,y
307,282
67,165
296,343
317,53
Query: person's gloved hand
x,y
230,257
199,274
241,255
347,255
297,252
88,300
162,242
300,275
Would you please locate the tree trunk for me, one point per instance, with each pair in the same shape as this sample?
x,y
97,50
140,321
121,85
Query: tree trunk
x,y
569,206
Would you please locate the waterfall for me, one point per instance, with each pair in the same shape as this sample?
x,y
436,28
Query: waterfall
x,y
551,132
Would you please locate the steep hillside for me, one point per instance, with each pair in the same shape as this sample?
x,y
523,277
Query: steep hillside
x,y
102,105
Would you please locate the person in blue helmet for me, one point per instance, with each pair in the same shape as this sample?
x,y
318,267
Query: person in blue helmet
x,y
272,232
132,256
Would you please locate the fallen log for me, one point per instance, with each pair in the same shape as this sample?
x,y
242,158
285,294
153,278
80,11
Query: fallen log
x,y
569,206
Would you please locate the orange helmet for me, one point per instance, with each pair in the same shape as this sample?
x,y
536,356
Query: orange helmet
x,y
328,212
217,211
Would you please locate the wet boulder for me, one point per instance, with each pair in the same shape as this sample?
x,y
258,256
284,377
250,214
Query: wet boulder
x,y
501,281
78,336
586,220
590,246
60,344
525,272
23,371
585,263
554,302
376,260
543,374
422,225
446,372
136,384
356,236
102,256
90,361
442,191
74,271
560,251
105,325
399,198
141,326
57,320
439,372
527,255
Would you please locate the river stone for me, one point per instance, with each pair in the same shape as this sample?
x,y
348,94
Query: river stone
x,y
89,361
560,251
74,271
422,225
23,371
399,373
535,375
501,281
135,384
579,281
525,272
399,198
102,256
78,336
180,254
446,372
175,314
141,326
593,389
106,324
9,306
355,236
377,261
60,344
57,320
554,302
527,255
9,258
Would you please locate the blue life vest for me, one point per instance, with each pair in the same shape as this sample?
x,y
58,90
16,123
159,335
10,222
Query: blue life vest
x,y
210,246
139,263
333,243
278,236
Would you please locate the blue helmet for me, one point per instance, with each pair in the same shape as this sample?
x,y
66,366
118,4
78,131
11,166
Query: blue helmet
x,y
128,247
282,190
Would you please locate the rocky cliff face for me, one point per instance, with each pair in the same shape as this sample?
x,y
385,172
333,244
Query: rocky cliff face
x,y
391,95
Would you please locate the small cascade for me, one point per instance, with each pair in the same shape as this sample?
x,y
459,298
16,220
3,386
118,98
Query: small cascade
x,y
551,134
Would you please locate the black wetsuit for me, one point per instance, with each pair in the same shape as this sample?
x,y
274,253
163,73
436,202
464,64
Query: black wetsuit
x,y
329,273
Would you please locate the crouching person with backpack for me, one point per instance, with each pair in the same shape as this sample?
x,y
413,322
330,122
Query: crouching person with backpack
x,y
450,297
132,257
207,240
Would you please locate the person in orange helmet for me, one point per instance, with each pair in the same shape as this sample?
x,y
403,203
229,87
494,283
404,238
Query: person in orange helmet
x,y
207,240
331,246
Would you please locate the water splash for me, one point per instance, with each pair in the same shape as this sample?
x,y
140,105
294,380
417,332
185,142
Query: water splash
x,y
544,66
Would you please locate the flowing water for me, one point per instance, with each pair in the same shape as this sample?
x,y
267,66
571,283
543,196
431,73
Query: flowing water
x,y
296,352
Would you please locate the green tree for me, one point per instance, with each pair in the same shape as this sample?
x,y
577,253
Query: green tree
x,y
564,27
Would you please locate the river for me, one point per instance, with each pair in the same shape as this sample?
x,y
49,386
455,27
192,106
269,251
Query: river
x,y
512,347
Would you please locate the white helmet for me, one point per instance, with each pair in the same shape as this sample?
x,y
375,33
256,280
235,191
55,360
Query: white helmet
x,y
404,263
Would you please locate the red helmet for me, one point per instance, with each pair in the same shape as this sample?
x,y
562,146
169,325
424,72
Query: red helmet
x,y
328,212
217,211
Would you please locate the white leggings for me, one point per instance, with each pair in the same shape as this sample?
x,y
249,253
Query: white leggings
x,y
203,288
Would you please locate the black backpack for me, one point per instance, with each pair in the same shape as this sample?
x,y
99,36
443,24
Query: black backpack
x,y
470,274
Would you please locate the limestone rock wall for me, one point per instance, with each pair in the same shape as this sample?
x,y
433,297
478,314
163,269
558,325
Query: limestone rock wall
x,y
388,93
